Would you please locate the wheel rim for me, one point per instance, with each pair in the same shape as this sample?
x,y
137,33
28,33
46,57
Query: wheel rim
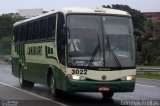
x,y
20,78
52,86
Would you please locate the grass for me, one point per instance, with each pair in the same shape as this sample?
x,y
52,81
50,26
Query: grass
x,y
148,75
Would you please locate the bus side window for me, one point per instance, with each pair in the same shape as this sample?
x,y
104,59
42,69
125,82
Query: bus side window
x,y
37,29
34,30
23,32
30,31
43,29
31,36
15,34
27,34
51,27
19,34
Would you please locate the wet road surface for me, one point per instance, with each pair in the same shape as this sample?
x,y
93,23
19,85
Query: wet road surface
x,y
145,89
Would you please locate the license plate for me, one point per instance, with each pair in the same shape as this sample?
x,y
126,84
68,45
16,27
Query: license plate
x,y
103,89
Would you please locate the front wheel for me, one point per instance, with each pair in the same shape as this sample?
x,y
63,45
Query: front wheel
x,y
107,95
52,87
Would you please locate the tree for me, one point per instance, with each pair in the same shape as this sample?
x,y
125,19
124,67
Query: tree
x,y
6,23
147,48
5,45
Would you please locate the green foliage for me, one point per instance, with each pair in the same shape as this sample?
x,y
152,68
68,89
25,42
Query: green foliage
x,y
148,75
5,26
147,48
6,23
5,45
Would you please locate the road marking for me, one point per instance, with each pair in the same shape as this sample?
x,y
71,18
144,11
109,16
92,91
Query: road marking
x,y
33,94
145,85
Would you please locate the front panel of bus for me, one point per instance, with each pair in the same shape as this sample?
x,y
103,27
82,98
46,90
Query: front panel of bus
x,y
100,53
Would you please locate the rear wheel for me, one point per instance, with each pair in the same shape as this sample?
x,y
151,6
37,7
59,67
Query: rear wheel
x,y
24,83
107,95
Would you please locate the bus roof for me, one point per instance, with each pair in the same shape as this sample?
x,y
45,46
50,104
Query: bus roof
x,y
78,10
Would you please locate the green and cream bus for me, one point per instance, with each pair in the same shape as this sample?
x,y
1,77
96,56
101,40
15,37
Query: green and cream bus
x,y
76,50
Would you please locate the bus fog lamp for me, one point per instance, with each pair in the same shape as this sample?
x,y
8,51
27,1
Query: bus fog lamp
x,y
128,78
76,77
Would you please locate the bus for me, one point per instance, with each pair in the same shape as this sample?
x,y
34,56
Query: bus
x,y
76,50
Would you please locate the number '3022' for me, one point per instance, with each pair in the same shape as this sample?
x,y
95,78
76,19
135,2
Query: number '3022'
x,y
79,71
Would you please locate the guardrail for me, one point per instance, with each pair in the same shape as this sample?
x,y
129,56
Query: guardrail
x,y
150,70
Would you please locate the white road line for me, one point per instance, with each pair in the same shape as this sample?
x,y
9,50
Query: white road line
x,y
145,85
34,94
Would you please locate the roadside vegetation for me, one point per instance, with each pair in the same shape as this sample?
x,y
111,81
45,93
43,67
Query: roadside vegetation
x,y
148,75
6,23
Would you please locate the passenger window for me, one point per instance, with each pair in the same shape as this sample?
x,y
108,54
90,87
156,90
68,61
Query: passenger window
x,y
23,33
34,30
51,27
19,34
43,28
15,34
37,29
30,31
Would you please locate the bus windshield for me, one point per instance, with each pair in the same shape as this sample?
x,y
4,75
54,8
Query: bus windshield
x,y
100,41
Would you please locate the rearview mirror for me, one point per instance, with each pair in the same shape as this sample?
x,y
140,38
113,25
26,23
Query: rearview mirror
x,y
63,34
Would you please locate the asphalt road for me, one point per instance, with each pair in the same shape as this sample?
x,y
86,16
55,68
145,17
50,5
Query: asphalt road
x,y
11,93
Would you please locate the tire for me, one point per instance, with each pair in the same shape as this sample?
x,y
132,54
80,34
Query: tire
x,y
107,95
24,83
54,91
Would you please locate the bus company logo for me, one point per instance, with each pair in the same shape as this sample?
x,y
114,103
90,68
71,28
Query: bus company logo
x,y
104,77
34,50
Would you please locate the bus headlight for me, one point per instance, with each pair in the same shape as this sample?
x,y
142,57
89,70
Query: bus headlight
x,y
128,78
76,77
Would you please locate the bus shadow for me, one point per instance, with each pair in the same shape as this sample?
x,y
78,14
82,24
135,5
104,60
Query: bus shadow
x,y
85,99
75,99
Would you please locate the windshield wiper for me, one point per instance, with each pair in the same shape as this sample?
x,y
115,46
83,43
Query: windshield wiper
x,y
111,50
95,51
72,42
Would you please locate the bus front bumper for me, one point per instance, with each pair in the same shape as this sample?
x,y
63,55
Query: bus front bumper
x,y
92,86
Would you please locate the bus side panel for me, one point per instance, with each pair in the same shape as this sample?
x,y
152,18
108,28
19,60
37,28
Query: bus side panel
x,y
15,66
58,80
15,59
64,81
36,73
36,66
38,63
